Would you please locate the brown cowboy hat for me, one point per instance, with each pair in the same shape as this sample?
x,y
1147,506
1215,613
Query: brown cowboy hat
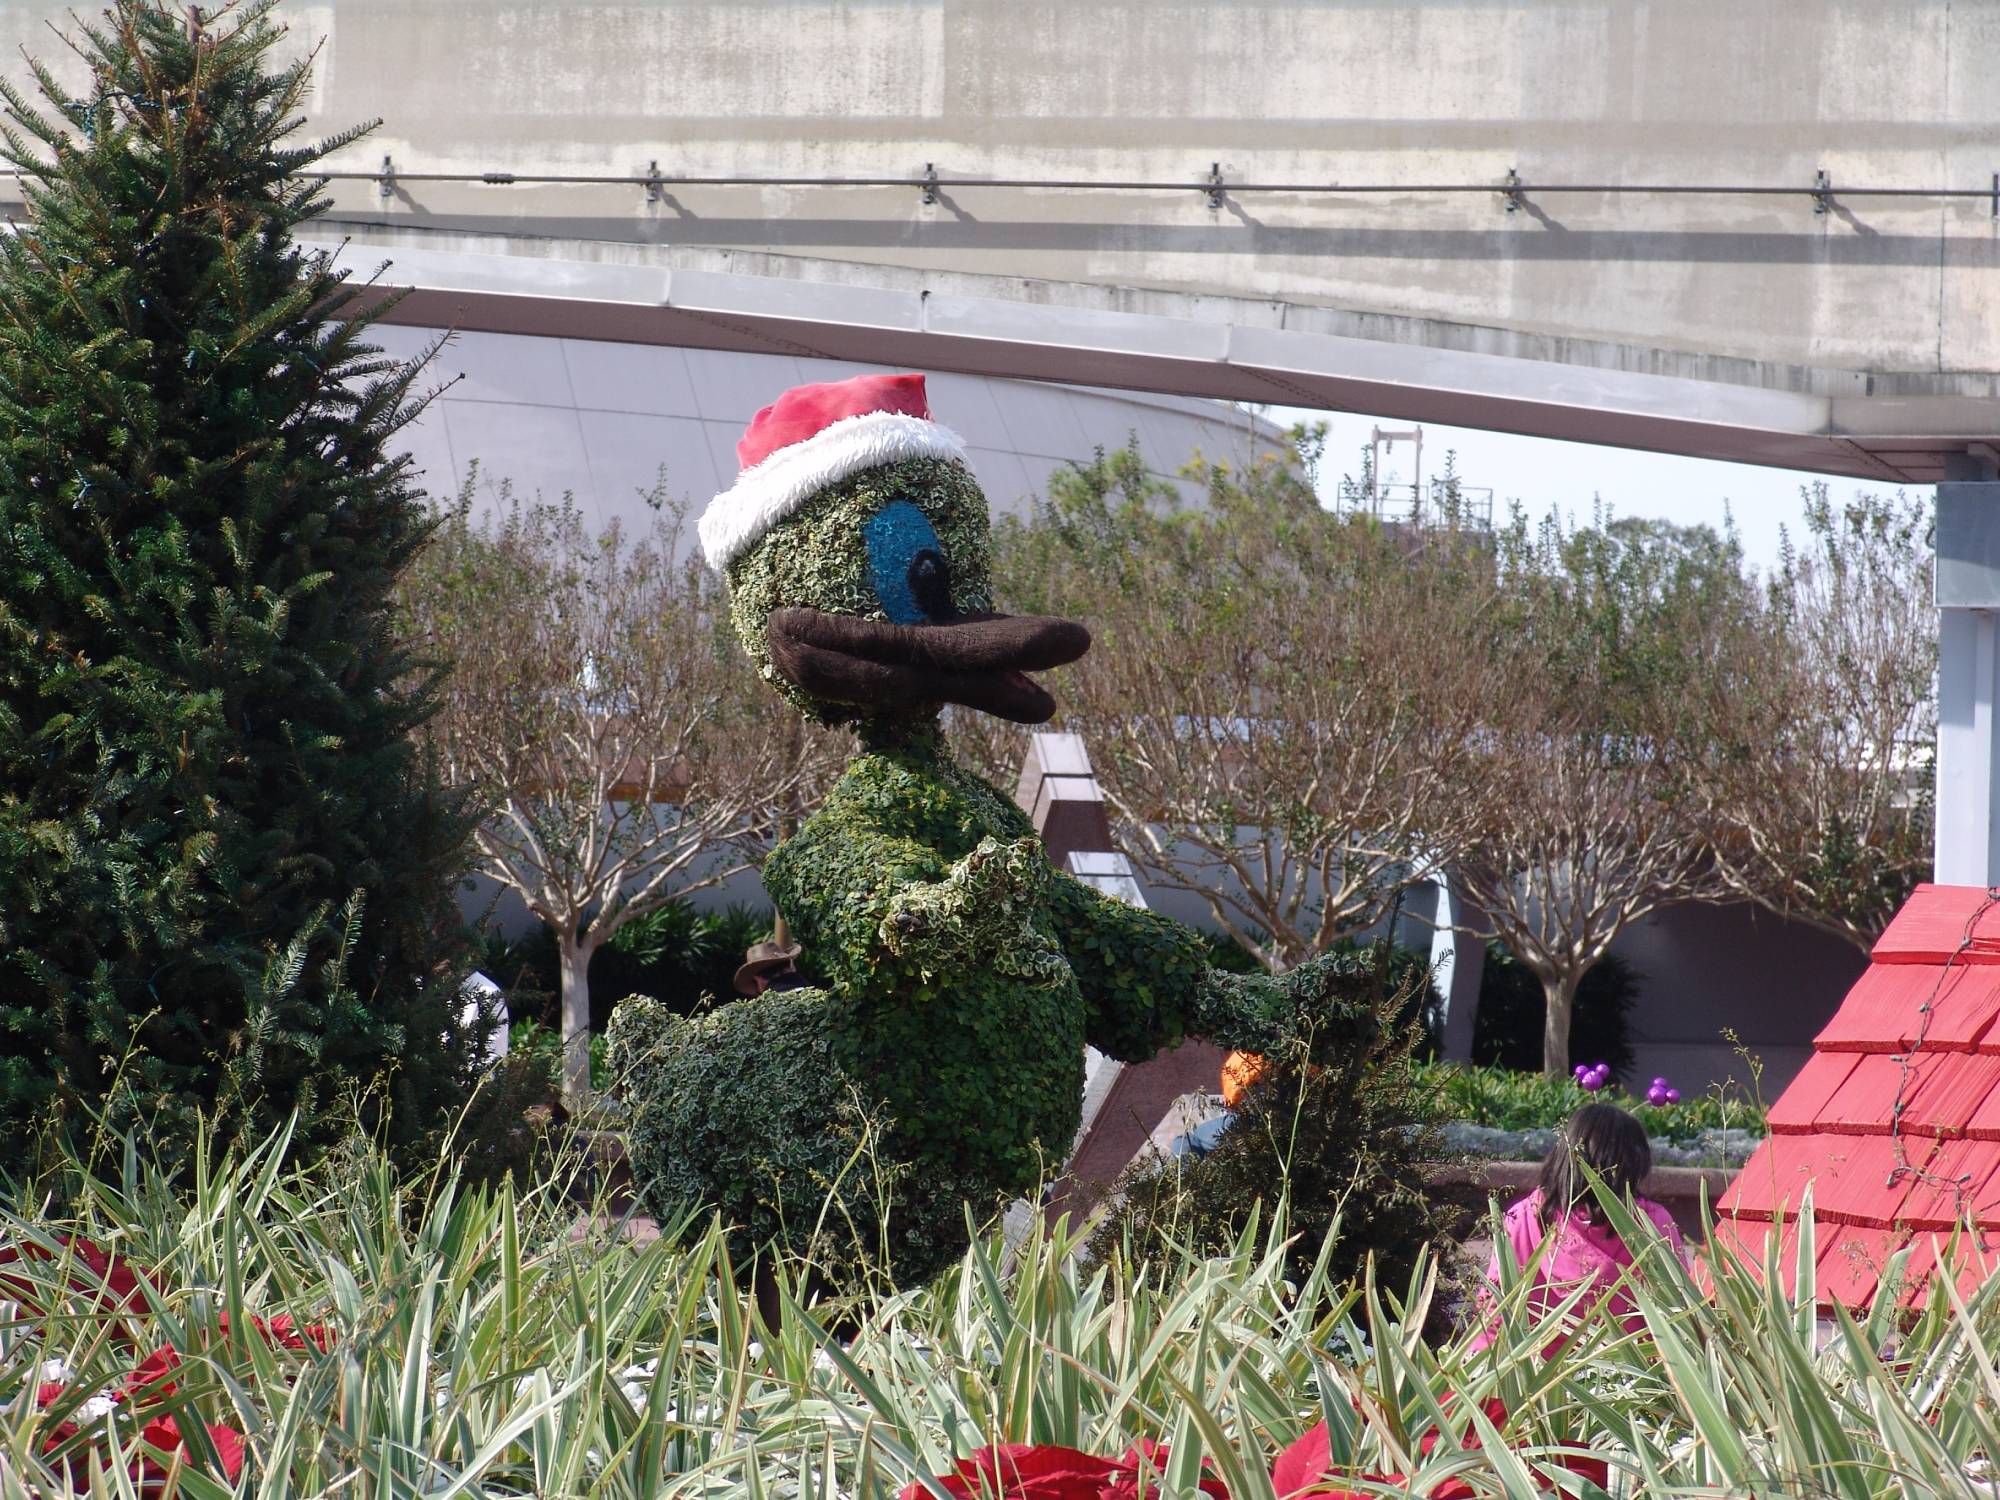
x,y
762,956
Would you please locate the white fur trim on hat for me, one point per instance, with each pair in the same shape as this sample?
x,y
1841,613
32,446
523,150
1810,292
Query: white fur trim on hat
x,y
765,493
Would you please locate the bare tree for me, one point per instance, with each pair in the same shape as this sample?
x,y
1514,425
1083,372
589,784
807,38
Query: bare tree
x,y
1589,750
1276,695
1819,775
599,705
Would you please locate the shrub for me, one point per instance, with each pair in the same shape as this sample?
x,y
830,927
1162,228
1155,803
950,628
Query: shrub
x,y
1507,1100
1343,1132
1508,1031
535,1039
507,1130
226,874
1409,974
676,954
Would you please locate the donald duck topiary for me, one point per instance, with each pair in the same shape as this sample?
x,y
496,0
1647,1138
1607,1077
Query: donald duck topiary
x,y
941,1065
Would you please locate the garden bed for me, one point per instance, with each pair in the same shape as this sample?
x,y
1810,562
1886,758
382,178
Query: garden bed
x,y
1501,1125
1714,1147
1493,1112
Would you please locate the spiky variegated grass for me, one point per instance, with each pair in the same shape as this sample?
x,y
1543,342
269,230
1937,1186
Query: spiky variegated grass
x,y
481,1350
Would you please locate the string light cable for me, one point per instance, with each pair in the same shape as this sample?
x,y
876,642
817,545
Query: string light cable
x,y
1905,1062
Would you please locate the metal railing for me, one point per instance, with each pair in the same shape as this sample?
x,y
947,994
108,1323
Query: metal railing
x,y
1512,191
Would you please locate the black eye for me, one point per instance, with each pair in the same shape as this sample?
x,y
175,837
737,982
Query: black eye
x,y
930,585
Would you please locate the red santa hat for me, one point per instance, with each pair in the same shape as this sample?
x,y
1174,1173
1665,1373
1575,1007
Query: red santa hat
x,y
814,436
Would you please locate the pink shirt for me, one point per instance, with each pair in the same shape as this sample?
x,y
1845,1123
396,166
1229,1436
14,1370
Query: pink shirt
x,y
1583,1254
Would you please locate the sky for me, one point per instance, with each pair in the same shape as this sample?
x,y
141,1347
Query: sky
x,y
1545,474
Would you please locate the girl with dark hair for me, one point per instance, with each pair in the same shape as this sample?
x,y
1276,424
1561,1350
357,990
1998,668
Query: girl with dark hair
x,y
1563,1223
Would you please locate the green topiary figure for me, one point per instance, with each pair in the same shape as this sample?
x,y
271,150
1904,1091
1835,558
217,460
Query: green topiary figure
x,y
943,1062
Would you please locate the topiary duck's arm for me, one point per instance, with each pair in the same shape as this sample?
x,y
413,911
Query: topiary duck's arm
x,y
1146,980
870,905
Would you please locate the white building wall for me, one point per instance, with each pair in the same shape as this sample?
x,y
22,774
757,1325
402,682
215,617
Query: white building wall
x,y
600,420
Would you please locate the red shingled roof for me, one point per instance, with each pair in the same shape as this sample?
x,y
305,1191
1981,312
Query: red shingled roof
x,y
1895,1120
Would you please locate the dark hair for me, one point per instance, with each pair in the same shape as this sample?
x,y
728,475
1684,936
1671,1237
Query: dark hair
x,y
1607,1140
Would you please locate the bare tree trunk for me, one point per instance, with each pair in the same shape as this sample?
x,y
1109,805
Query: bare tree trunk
x,y
1559,993
575,1021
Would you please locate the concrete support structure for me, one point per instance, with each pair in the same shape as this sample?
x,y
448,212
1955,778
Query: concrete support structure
x,y
1762,232
1968,749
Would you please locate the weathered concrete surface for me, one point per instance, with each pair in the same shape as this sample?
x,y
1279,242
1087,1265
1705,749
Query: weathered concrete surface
x,y
1887,299
1171,342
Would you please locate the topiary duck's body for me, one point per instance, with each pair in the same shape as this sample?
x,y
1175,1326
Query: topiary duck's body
x,y
942,1064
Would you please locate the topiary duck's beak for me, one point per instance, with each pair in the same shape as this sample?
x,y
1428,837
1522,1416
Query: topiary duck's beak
x,y
980,661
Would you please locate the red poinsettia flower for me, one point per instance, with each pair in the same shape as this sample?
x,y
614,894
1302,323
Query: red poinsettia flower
x,y
164,1433
1021,1471
286,1333
109,1279
1143,1463
1306,1467
151,1378
1045,1471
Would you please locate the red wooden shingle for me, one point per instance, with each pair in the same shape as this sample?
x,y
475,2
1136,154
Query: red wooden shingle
x,y
1948,1089
1973,1260
1851,1262
1797,1109
1971,1264
1856,1181
1865,1102
1882,1011
1967,1007
1918,1269
1933,924
1749,1242
1894,1123
1955,1180
1775,1178
1984,1122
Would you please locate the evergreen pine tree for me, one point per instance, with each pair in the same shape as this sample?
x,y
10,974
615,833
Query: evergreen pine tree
x,y
226,878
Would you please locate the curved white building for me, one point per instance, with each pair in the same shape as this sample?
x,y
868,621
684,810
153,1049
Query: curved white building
x,y
601,420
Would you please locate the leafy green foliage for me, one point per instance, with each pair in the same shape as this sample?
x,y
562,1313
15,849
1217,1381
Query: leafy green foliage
x,y
481,1346
512,1126
1340,1132
685,957
1407,972
206,714
940,1069
538,1040
1507,1032
1508,1100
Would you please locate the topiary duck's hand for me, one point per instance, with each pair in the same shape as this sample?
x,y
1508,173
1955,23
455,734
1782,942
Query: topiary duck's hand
x,y
1326,999
982,910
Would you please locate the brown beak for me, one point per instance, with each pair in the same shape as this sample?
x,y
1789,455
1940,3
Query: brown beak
x,y
980,661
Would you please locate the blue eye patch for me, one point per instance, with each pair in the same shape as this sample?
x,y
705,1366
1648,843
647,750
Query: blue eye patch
x,y
897,535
